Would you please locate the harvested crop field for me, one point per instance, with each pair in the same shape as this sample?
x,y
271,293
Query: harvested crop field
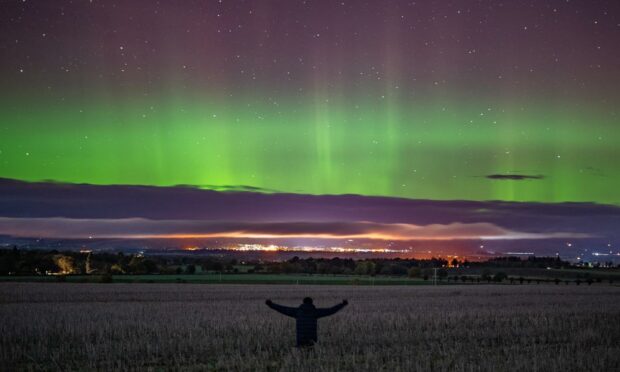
x,y
66,326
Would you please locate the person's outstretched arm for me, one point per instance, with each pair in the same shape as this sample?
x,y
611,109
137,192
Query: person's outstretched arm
x,y
331,310
288,311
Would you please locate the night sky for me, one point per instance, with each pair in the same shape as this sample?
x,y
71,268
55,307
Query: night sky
x,y
513,101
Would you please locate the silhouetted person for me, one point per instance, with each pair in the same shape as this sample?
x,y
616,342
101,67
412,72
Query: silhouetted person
x,y
306,315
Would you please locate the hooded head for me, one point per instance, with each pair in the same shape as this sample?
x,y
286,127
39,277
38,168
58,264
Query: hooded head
x,y
308,301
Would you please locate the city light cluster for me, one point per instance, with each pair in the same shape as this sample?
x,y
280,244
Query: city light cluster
x,y
281,248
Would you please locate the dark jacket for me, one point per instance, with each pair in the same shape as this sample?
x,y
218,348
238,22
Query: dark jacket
x,y
306,316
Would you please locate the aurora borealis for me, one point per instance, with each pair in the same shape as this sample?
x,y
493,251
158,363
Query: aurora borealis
x,y
293,152
511,101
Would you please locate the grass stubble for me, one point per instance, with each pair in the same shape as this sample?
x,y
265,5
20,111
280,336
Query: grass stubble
x,y
156,327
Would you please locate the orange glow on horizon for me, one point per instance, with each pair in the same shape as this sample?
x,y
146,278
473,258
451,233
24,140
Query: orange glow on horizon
x,y
271,248
371,236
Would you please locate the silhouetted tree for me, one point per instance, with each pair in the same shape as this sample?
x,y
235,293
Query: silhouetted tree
x,y
365,268
499,277
190,269
414,272
486,275
442,273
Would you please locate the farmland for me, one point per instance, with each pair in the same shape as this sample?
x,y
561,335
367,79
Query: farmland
x,y
215,278
87,326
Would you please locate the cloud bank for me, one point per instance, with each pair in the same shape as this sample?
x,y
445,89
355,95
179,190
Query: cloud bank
x,y
50,209
140,228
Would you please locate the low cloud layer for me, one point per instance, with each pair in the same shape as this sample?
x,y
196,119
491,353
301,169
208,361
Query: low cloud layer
x,y
140,228
71,210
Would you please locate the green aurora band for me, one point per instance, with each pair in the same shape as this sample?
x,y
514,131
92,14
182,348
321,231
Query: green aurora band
x,y
319,144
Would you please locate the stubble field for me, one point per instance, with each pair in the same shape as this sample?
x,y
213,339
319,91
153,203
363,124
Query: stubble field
x,y
67,326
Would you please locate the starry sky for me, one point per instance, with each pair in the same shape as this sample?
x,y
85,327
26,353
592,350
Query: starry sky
x,y
507,101
419,99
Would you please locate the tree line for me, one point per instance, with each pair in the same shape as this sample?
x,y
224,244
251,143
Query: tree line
x,y
53,262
